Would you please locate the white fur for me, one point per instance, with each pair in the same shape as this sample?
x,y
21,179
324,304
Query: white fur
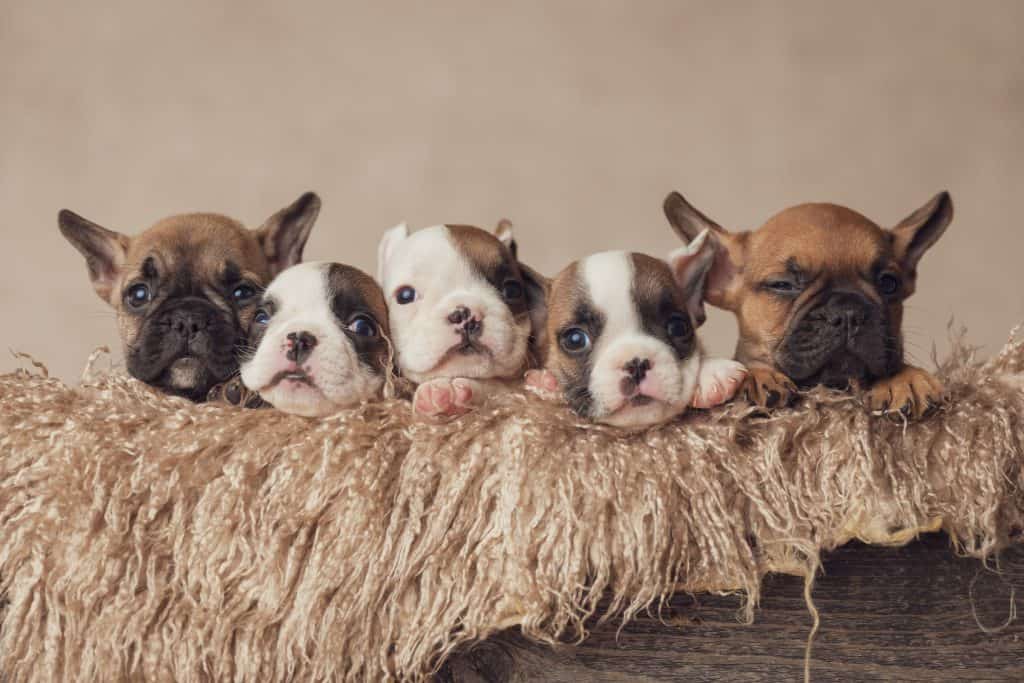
x,y
608,277
304,306
444,279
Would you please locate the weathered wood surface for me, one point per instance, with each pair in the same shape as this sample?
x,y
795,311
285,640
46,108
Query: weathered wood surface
x,y
886,614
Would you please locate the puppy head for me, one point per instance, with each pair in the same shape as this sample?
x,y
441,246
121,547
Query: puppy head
x,y
621,334
459,301
818,290
319,340
185,289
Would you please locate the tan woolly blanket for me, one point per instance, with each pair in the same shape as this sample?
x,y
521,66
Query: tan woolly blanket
x,y
142,537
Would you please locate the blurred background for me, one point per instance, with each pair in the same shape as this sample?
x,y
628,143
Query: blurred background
x,y
572,118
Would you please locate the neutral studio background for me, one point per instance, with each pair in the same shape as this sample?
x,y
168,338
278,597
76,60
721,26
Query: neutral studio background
x,y
571,118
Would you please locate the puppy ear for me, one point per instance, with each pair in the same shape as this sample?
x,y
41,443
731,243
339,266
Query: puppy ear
x,y
685,219
104,250
386,249
537,289
503,231
691,265
283,236
689,223
920,230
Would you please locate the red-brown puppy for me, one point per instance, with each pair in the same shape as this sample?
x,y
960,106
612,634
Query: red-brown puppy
x,y
818,291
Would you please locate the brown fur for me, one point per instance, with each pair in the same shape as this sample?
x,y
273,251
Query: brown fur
x,y
146,538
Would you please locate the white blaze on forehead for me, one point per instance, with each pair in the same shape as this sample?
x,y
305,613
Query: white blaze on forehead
x,y
428,258
300,288
608,277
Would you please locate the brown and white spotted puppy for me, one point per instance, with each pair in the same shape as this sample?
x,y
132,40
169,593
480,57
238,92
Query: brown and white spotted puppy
x,y
319,340
464,312
185,290
818,292
622,342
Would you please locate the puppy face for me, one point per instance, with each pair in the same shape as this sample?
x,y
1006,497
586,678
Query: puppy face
x,y
460,304
621,334
818,290
186,289
320,336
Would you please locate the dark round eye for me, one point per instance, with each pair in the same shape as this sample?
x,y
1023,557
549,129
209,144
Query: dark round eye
x,y
405,295
243,292
512,290
574,340
261,317
888,284
138,295
677,326
362,326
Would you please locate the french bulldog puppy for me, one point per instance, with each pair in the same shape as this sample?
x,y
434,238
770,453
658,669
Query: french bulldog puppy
x,y
318,340
622,342
465,314
818,292
185,290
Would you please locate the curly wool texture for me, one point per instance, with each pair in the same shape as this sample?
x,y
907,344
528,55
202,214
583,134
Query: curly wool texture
x,y
145,538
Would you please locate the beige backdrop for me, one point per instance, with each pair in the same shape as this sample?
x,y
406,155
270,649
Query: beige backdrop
x,y
571,118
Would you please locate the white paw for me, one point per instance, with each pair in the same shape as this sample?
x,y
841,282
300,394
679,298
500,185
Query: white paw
x,y
444,397
542,383
717,382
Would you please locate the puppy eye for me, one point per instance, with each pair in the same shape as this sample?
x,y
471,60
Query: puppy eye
x,y
243,293
574,340
511,290
888,284
261,317
138,295
362,326
782,286
405,295
677,326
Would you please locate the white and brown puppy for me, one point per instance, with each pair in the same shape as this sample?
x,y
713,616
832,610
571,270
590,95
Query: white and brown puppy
x,y
319,340
464,312
622,343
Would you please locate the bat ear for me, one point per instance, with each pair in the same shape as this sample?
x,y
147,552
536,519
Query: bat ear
x,y
690,265
386,249
283,236
104,250
916,233
685,219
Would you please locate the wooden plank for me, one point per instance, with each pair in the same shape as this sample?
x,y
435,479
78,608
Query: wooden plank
x,y
886,614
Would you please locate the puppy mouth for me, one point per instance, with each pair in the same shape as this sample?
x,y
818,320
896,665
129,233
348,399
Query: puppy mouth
x,y
293,375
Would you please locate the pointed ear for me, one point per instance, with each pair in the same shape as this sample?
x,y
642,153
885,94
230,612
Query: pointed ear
x,y
503,231
386,249
920,230
685,219
283,236
537,289
104,250
690,266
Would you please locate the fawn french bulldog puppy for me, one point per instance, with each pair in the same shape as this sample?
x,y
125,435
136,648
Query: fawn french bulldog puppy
x,y
186,289
319,340
818,292
622,343
464,312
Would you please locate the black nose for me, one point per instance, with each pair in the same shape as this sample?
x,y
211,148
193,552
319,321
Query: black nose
x,y
846,310
637,369
188,323
459,315
301,344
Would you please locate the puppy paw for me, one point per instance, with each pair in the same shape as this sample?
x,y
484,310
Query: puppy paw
x,y
911,393
542,383
718,381
444,397
767,388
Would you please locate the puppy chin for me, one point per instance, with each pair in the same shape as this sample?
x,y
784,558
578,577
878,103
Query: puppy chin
x,y
641,416
428,356
296,398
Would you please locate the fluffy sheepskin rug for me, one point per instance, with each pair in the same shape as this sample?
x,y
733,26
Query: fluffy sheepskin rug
x,y
142,537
